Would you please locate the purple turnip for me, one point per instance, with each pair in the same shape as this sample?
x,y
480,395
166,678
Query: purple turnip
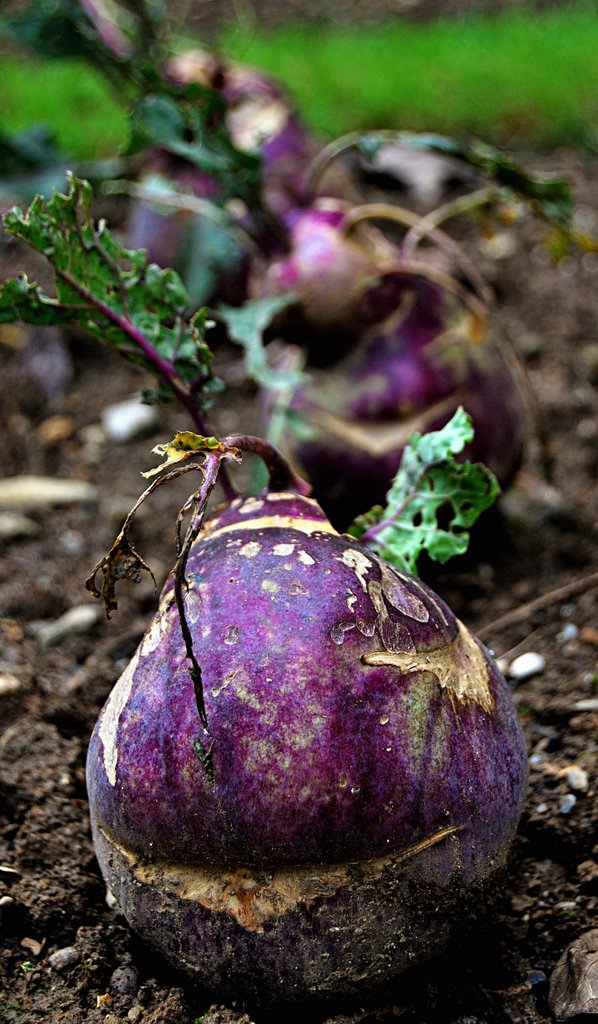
x,y
310,773
260,116
345,274
342,798
171,216
345,429
411,335
333,274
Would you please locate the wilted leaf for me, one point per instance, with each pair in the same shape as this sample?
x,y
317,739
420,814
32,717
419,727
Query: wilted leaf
x,y
123,562
186,444
433,500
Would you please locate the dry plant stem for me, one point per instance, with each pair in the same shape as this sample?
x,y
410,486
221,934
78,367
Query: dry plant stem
x,y
537,426
463,204
282,477
199,501
514,651
525,611
425,227
420,268
330,153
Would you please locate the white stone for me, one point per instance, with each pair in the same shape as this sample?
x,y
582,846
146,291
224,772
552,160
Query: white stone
x,y
14,525
35,491
124,421
577,778
590,704
526,665
9,684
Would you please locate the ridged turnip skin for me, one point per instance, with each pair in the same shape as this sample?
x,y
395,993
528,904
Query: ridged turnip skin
x,y
368,766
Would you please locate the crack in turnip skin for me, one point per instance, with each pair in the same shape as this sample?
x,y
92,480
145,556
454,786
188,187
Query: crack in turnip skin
x,y
323,752
255,898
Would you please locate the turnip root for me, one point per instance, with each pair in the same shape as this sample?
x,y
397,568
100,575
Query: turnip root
x,y
352,799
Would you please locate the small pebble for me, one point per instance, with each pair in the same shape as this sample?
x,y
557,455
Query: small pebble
x,y
9,684
500,246
568,632
135,1013
33,946
536,978
127,420
577,778
567,803
93,442
55,429
124,981
72,542
566,906
79,619
541,808
13,526
38,491
590,704
64,958
535,759
526,665
111,900
9,874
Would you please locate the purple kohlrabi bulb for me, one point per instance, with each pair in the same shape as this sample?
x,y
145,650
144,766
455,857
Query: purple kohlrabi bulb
x,y
359,784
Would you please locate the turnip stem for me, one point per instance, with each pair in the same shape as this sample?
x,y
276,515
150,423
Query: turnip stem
x,y
282,477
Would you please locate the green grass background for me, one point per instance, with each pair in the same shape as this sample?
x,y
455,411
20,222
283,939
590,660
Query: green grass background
x,y
519,79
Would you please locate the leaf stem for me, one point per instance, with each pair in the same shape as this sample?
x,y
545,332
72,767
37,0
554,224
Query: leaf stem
x,y
377,528
163,367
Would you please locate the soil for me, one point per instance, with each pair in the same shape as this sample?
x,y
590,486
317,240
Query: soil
x,y
530,585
